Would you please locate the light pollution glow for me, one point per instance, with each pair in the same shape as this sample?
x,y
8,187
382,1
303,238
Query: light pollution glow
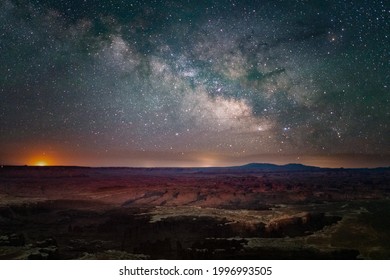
x,y
194,160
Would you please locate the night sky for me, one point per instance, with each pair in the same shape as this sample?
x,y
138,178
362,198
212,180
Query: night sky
x,y
194,83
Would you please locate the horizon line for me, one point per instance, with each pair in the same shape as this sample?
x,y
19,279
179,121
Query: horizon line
x,y
188,167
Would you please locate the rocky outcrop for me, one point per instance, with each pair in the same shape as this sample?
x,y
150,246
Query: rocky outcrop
x,y
299,225
12,240
44,250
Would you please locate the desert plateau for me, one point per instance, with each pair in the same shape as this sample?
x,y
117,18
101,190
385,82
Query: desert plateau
x,y
256,211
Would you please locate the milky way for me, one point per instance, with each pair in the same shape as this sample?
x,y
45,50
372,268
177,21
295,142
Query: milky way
x,y
194,83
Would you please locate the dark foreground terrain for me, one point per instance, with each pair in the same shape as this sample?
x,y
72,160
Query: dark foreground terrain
x,y
250,212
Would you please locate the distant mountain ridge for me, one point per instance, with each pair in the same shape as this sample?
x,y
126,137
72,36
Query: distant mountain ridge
x,y
275,167
298,167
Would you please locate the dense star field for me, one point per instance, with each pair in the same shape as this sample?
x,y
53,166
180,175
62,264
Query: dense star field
x,y
194,83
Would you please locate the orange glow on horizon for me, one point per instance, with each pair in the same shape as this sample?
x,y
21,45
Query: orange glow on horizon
x,y
56,157
40,160
40,163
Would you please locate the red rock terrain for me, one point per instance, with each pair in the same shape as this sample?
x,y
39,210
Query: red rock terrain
x,y
242,212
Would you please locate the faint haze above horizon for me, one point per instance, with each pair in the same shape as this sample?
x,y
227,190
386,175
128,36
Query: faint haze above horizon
x,y
343,161
194,83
